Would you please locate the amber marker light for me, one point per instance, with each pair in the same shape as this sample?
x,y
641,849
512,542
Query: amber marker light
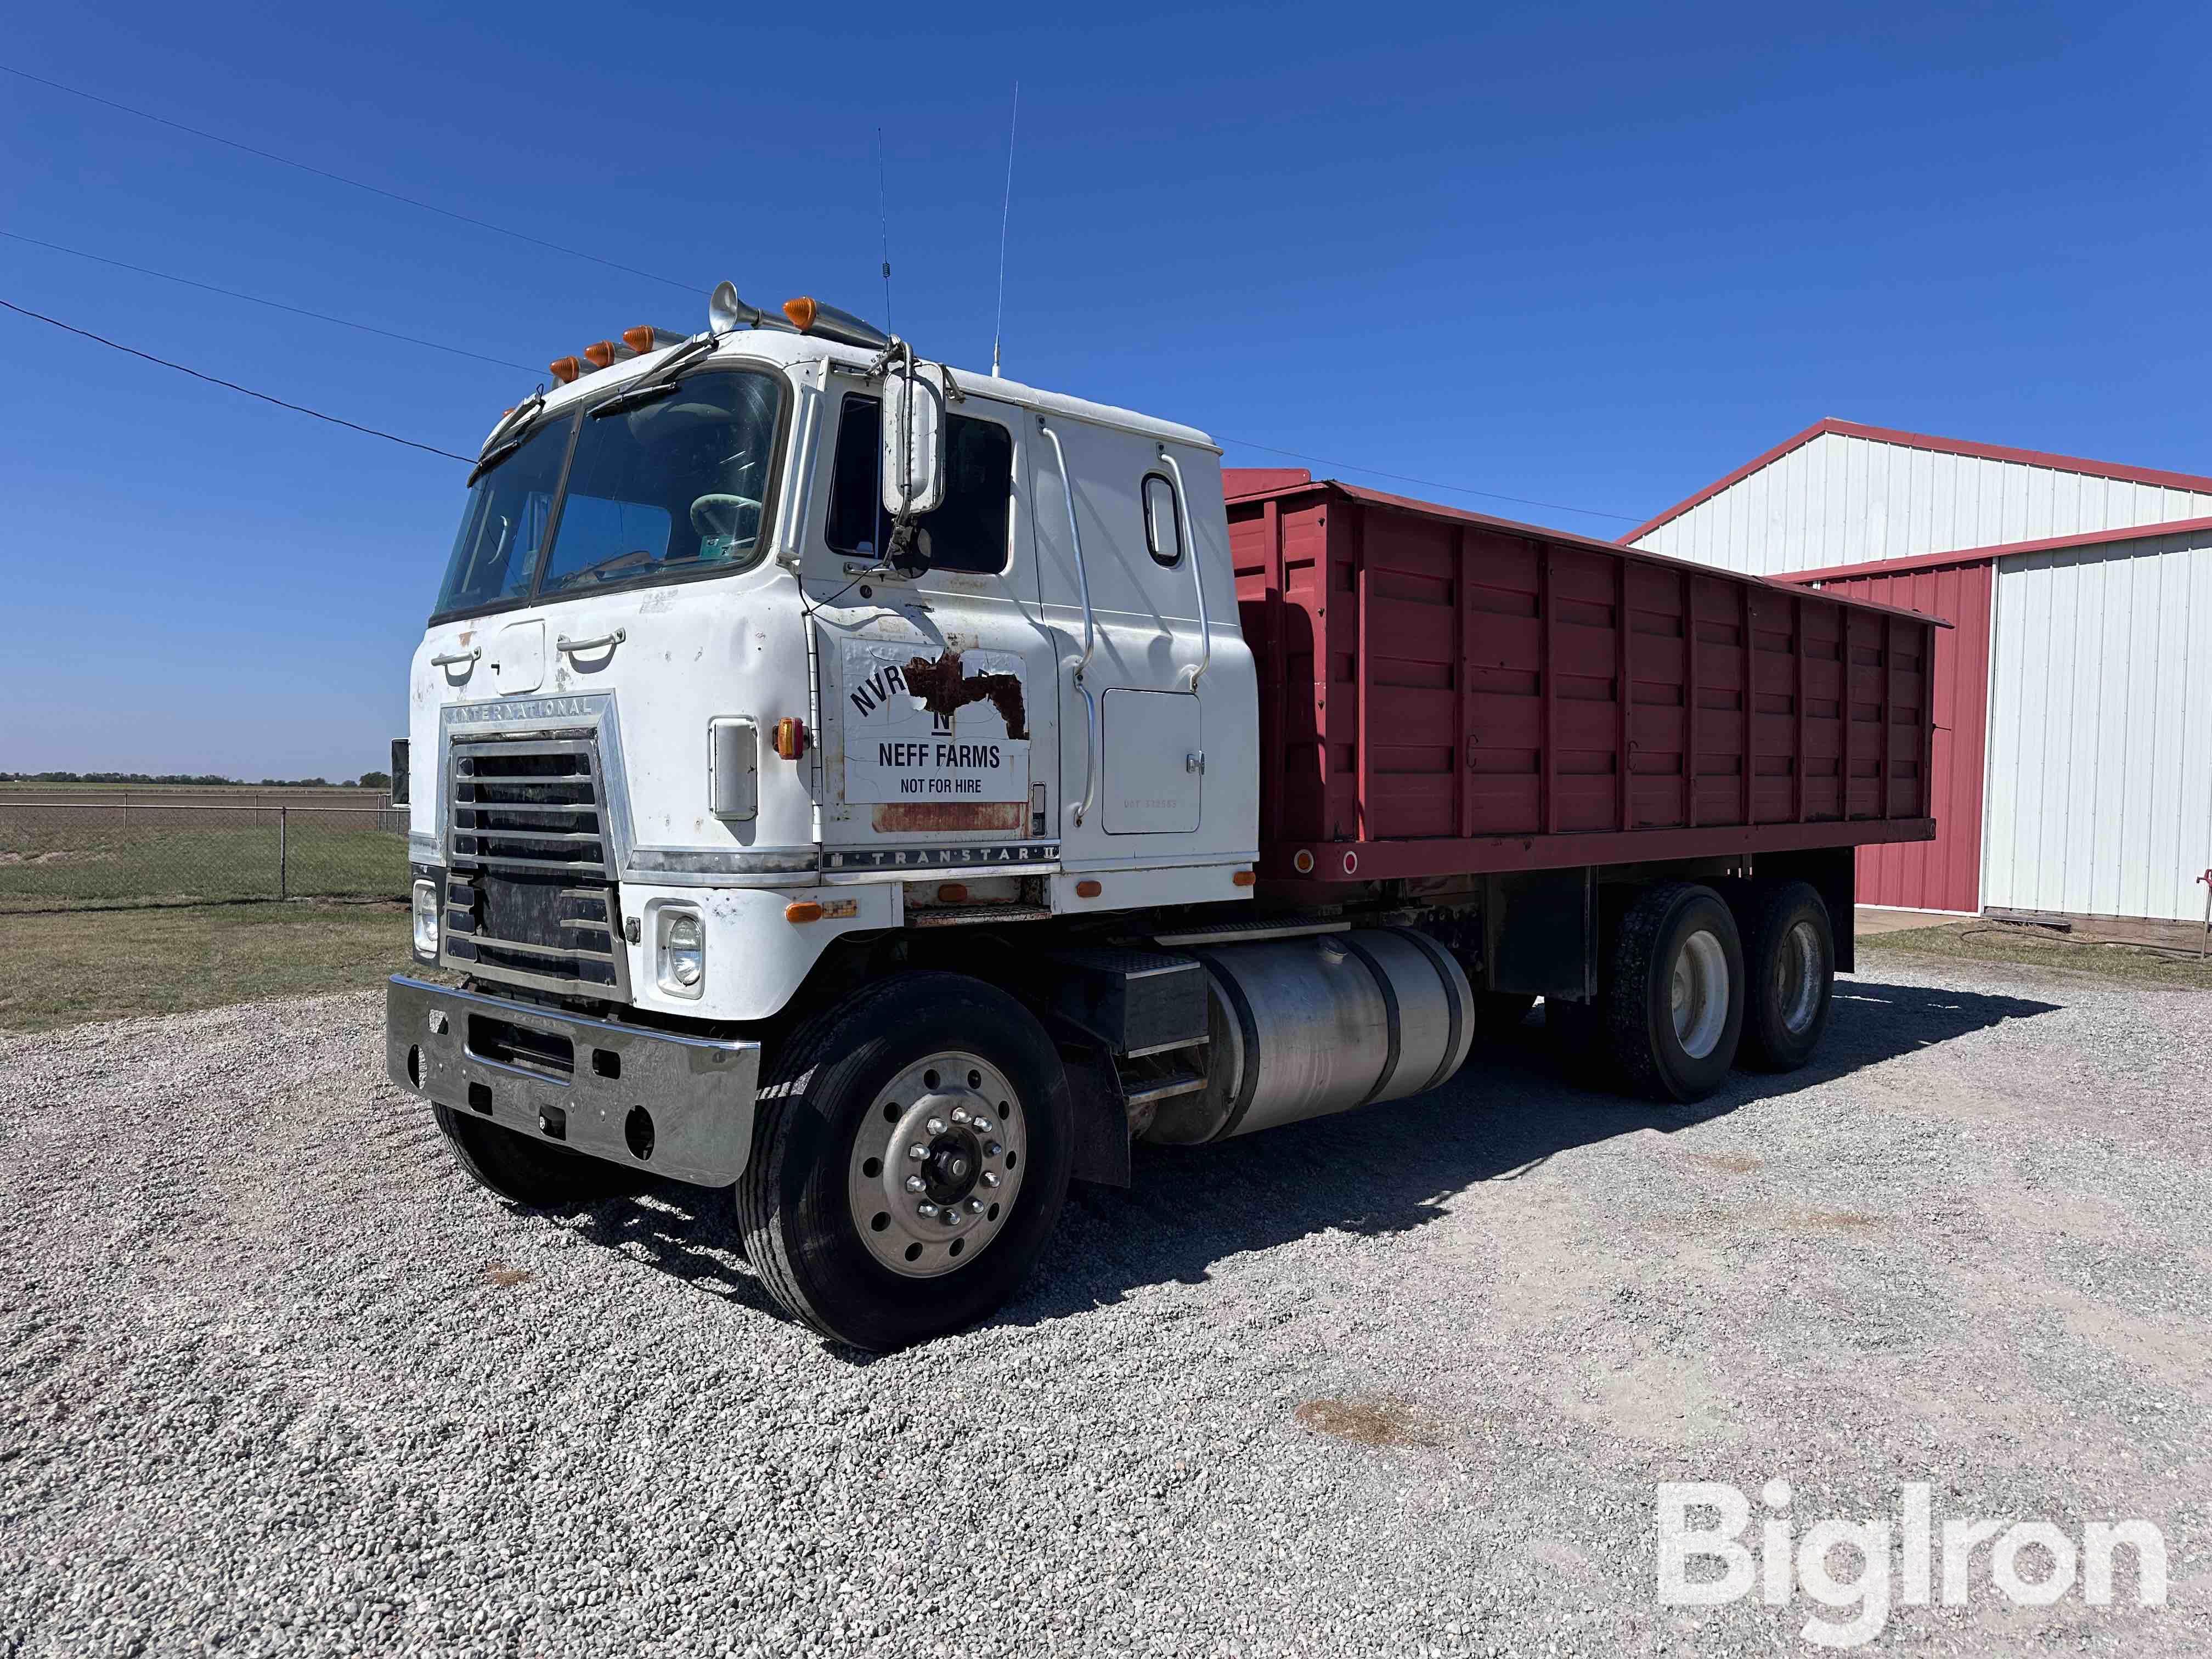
x,y
565,369
802,910
1088,890
1243,878
602,354
642,339
790,737
801,311
952,892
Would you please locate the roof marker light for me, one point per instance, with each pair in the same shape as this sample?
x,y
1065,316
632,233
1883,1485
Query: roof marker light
x,y
565,369
600,353
811,316
642,339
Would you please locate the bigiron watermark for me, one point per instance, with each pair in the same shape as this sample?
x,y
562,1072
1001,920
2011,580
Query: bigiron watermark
x,y
1709,1555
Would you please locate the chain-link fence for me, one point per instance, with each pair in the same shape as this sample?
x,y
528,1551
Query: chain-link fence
x,y
69,855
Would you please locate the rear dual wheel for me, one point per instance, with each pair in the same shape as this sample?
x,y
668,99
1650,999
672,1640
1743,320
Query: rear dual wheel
x,y
1674,1007
910,1155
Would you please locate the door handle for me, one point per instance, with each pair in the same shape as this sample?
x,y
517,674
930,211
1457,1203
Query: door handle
x,y
454,658
574,647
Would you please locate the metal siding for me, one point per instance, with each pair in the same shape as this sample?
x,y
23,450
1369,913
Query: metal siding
x,y
1943,874
1840,499
2100,770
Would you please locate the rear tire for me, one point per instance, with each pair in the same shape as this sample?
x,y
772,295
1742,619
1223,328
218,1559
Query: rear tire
x,y
529,1172
1790,952
1674,1001
908,1064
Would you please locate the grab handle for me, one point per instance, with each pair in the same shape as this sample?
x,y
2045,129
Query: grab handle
x,y
577,647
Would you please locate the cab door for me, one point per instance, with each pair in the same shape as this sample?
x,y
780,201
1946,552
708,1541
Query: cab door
x,y
938,698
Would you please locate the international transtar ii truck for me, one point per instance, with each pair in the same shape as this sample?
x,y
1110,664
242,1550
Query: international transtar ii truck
x,y
888,792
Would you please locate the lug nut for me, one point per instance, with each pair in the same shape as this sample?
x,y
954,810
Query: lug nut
x,y
915,1184
982,1125
992,1149
935,1126
959,1114
924,1208
974,1206
917,1152
952,1215
990,1177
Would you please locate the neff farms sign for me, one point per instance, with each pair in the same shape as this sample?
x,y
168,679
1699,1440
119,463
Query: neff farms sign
x,y
949,728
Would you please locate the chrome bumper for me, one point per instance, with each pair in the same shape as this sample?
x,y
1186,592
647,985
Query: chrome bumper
x,y
675,1106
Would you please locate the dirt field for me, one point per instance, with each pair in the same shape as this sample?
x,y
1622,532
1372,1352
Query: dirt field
x,y
275,1379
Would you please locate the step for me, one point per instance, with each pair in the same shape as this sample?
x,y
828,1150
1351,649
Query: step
x,y
1166,1088
961,915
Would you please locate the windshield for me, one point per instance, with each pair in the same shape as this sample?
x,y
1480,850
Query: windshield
x,y
675,486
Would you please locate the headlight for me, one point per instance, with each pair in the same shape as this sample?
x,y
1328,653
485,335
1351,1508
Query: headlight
x,y
683,951
426,920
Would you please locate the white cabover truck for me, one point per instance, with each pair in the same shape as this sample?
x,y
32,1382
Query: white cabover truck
x,y
841,779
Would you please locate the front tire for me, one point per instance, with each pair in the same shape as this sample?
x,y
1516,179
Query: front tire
x,y
529,1172
1674,1003
910,1156
1790,951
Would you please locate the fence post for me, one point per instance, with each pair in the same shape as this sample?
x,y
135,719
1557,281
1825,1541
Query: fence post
x,y
283,856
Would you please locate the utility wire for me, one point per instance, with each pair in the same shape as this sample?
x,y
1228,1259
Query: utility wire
x,y
340,178
1429,483
557,247
301,409
274,305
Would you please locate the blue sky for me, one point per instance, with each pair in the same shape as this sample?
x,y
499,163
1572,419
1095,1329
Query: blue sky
x,y
1592,255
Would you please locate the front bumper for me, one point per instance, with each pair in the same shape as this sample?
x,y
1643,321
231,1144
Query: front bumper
x,y
675,1106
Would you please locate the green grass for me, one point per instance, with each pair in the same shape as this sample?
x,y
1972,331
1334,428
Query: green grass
x,y
67,969
61,859
1982,941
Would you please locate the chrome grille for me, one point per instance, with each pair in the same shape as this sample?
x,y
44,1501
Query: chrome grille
x,y
529,893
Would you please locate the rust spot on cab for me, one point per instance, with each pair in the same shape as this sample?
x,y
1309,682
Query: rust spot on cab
x,y
939,815
944,691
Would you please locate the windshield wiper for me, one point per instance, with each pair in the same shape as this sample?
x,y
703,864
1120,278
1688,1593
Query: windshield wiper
x,y
633,398
493,458
662,380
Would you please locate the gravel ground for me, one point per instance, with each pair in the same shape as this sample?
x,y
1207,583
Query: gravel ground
x,y
277,1380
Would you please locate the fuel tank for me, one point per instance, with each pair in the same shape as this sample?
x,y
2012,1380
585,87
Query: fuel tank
x,y
1305,1027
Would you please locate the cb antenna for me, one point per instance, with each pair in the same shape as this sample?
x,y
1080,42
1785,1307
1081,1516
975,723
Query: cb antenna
x,y
1005,214
884,218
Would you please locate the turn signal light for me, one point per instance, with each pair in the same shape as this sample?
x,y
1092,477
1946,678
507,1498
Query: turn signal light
x,y
565,369
642,339
802,910
790,737
601,353
802,313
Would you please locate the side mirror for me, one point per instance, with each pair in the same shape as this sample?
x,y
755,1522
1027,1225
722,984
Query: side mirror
x,y
912,469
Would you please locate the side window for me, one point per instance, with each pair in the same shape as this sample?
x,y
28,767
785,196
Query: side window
x,y
967,532
1163,524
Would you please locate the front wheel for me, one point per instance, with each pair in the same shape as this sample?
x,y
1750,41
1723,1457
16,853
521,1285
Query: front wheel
x,y
910,1156
529,1172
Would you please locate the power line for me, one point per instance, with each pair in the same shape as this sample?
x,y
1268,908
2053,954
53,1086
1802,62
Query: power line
x,y
300,409
1429,483
557,247
274,305
340,178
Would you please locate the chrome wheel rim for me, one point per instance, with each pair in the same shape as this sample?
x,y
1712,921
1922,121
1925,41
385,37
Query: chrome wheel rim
x,y
1700,994
1797,977
936,1164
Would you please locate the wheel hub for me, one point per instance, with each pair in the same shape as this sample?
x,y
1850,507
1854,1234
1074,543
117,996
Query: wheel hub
x,y
936,1164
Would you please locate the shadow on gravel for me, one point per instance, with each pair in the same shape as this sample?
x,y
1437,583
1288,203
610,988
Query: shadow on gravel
x,y
1378,1172
1391,1170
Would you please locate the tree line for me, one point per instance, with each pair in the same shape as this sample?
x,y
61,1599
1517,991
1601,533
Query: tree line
x,y
365,781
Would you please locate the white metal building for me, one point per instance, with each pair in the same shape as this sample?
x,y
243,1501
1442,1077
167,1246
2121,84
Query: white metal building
x,y
2073,711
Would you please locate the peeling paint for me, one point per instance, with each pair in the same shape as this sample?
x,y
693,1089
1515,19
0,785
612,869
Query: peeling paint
x,y
941,815
944,691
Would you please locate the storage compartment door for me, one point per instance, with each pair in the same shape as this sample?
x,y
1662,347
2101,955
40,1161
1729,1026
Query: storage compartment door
x,y
1155,760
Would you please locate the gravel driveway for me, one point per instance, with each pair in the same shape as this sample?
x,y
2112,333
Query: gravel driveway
x,y
276,1379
